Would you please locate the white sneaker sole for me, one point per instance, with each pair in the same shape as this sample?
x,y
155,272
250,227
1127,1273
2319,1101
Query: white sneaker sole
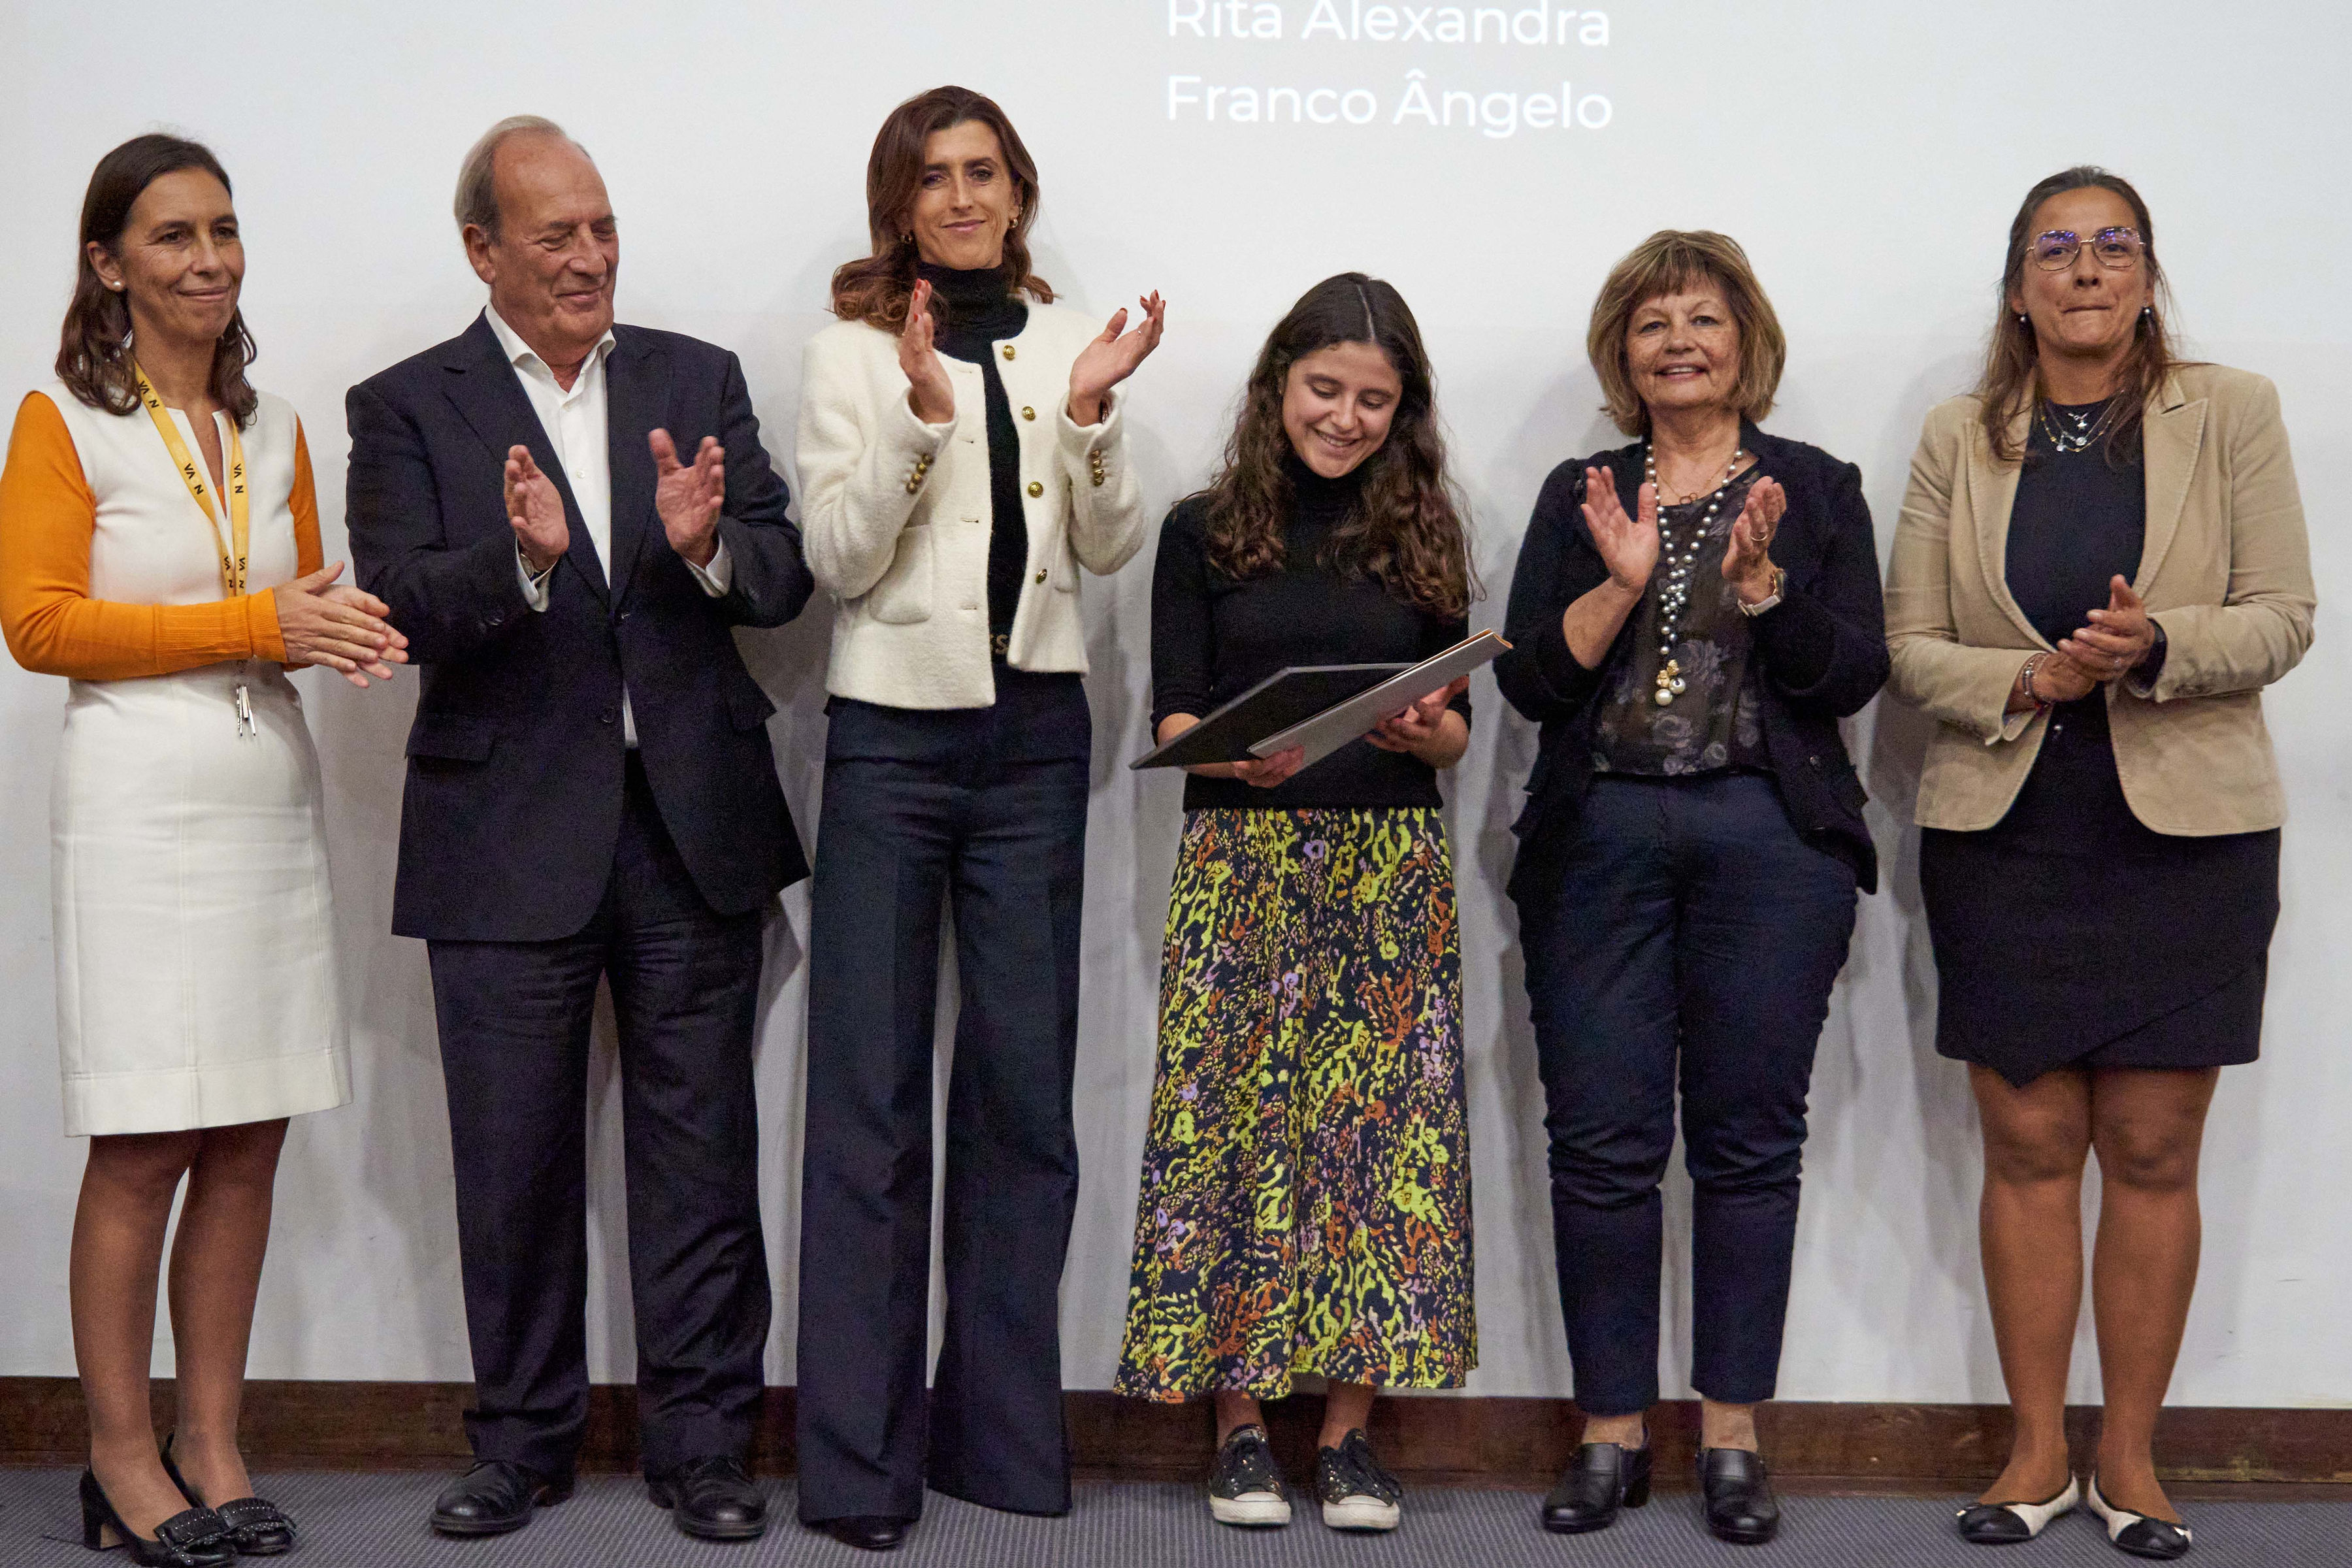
x,y
1362,1513
1250,1510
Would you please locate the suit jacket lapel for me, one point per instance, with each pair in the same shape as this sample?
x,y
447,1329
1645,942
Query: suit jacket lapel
x,y
2168,444
496,408
1993,493
633,407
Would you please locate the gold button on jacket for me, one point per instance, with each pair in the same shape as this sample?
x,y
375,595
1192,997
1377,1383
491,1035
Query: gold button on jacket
x,y
1027,412
1035,489
1008,350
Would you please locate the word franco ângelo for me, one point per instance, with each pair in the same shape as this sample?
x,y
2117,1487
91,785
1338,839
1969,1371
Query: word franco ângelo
x,y
1418,101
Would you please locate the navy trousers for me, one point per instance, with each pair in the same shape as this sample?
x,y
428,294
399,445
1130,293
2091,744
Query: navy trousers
x,y
514,1020
983,810
1686,926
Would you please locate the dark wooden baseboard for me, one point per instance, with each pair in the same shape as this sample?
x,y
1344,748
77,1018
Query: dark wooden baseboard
x,y
1456,1441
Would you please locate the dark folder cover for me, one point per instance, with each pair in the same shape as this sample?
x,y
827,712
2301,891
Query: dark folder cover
x,y
1285,697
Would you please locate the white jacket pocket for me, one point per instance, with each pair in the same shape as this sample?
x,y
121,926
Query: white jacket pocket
x,y
903,596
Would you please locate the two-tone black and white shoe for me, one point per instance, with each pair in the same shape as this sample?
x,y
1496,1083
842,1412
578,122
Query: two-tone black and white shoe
x,y
1356,1494
1245,1484
2007,1523
2136,1533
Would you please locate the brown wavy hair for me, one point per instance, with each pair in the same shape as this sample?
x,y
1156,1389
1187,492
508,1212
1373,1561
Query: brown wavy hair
x,y
1680,261
876,289
94,348
1406,531
2012,378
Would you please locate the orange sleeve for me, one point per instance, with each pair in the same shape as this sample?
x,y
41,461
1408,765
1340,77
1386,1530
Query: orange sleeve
x,y
53,626
269,639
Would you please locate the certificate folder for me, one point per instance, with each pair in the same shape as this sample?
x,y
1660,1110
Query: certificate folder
x,y
1320,707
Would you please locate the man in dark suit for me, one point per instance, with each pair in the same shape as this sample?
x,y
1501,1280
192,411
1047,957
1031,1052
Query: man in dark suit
x,y
591,793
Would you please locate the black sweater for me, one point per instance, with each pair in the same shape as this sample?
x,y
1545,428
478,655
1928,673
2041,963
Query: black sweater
x,y
1213,637
1821,650
971,311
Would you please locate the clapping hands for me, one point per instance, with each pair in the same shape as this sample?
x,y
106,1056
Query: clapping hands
x,y
929,393
1112,358
688,496
1628,545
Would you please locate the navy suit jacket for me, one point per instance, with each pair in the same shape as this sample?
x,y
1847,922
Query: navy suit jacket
x,y
515,763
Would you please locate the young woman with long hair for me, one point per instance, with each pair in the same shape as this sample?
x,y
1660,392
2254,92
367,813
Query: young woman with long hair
x,y
1306,1196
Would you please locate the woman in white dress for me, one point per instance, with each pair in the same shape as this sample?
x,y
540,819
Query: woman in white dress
x,y
159,546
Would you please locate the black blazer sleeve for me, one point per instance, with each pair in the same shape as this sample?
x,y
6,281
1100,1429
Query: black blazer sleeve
x,y
1558,565
448,603
772,581
1824,647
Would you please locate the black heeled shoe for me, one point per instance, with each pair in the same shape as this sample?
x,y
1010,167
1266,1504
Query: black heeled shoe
x,y
193,1538
257,1528
1602,1478
1740,1507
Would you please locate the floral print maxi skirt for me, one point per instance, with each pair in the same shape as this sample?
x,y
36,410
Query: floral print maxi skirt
x,y
1306,1202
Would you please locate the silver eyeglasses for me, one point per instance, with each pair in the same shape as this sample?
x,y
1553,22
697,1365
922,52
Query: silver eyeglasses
x,y
2118,249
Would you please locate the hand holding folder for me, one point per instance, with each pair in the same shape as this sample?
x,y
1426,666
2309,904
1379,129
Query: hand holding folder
x,y
1318,708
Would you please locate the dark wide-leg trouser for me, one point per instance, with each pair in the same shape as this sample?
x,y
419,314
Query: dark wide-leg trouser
x,y
514,1021
1686,925
986,810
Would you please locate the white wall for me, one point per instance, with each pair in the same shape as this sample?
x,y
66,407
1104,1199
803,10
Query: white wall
x,y
1868,155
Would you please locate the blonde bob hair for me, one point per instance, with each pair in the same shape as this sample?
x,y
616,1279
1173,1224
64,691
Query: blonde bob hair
x,y
1680,261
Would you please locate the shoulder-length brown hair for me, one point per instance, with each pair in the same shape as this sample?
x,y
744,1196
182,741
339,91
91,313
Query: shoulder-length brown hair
x,y
876,289
2012,377
94,349
1679,261
1406,532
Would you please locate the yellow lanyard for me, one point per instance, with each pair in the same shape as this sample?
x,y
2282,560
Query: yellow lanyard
x,y
233,549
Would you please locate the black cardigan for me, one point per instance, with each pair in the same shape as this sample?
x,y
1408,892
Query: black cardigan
x,y
1830,628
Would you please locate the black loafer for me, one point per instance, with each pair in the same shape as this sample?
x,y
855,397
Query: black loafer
x,y
1604,1477
866,1531
257,1527
1740,1507
494,1497
712,1497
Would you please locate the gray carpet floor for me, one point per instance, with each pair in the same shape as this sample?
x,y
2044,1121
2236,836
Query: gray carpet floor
x,y
378,1521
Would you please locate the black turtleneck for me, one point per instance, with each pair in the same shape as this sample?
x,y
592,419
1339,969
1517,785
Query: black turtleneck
x,y
974,312
1213,637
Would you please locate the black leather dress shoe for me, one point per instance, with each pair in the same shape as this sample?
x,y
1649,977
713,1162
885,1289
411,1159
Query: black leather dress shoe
x,y
1604,1477
712,1497
1740,1507
866,1531
494,1497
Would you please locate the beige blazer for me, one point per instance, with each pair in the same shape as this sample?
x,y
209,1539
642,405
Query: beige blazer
x,y
2226,572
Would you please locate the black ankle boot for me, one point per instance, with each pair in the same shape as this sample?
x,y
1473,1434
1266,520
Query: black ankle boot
x,y
1604,1477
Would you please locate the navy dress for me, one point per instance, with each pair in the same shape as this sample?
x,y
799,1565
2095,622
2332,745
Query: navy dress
x,y
2172,974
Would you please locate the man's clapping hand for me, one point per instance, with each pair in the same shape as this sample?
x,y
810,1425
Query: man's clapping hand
x,y
535,510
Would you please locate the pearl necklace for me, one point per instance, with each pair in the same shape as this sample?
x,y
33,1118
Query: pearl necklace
x,y
2084,431
1674,592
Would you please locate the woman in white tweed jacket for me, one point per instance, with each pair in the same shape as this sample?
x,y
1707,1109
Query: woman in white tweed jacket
x,y
961,458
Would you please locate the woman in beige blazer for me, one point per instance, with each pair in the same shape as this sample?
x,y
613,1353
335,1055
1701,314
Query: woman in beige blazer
x,y
2101,562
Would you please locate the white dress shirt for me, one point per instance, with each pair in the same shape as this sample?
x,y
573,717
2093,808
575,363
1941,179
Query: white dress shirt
x,y
577,427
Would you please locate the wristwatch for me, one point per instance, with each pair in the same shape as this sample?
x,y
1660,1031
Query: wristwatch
x,y
1768,600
